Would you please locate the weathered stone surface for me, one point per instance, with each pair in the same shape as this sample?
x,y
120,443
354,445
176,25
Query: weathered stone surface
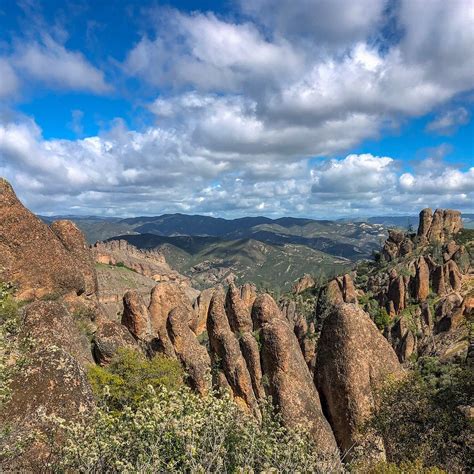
x,y
147,262
109,338
136,317
30,253
426,217
348,289
289,381
422,280
52,383
225,346
48,323
238,314
201,308
454,275
353,358
305,282
75,242
248,293
193,356
439,280
445,223
164,298
397,294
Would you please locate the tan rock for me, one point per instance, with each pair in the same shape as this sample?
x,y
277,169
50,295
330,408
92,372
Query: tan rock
x,y
109,338
289,381
165,297
426,217
305,282
48,323
75,242
422,280
193,356
397,294
353,359
226,348
136,317
31,255
201,308
248,293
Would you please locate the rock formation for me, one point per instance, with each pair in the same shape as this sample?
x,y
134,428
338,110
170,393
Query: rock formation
x,y
289,381
31,255
248,293
74,241
201,308
150,263
353,359
226,352
194,357
305,282
109,338
164,298
239,316
48,323
136,317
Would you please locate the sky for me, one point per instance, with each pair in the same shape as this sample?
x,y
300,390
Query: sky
x,y
312,108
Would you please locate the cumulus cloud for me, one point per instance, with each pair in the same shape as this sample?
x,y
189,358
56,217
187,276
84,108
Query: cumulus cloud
x,y
50,62
447,122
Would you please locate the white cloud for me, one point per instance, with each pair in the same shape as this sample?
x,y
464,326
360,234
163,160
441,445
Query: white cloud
x,y
447,122
50,62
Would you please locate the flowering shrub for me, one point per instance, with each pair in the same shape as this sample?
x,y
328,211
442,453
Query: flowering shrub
x,y
129,375
180,431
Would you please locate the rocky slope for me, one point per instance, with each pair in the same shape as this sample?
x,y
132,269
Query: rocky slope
x,y
321,368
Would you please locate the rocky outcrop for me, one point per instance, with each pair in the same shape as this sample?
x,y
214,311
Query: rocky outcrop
x,y
148,262
238,314
164,298
289,381
248,293
426,218
444,224
225,350
31,255
109,338
75,242
396,293
52,383
201,308
422,280
136,317
194,357
353,359
49,323
305,282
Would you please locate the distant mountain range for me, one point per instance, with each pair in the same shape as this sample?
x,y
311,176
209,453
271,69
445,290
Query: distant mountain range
x,y
272,252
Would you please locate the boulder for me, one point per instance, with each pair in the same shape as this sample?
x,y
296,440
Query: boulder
x,y
348,289
164,298
397,294
226,351
454,275
48,323
289,380
353,360
31,255
192,355
75,242
439,280
52,383
109,338
136,317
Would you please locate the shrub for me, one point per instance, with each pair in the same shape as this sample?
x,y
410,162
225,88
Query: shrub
x,y
420,418
125,381
180,431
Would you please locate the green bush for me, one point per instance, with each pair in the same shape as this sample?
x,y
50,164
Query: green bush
x,y
126,380
180,431
420,418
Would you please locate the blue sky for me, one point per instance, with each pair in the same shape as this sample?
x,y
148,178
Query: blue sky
x,y
317,108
